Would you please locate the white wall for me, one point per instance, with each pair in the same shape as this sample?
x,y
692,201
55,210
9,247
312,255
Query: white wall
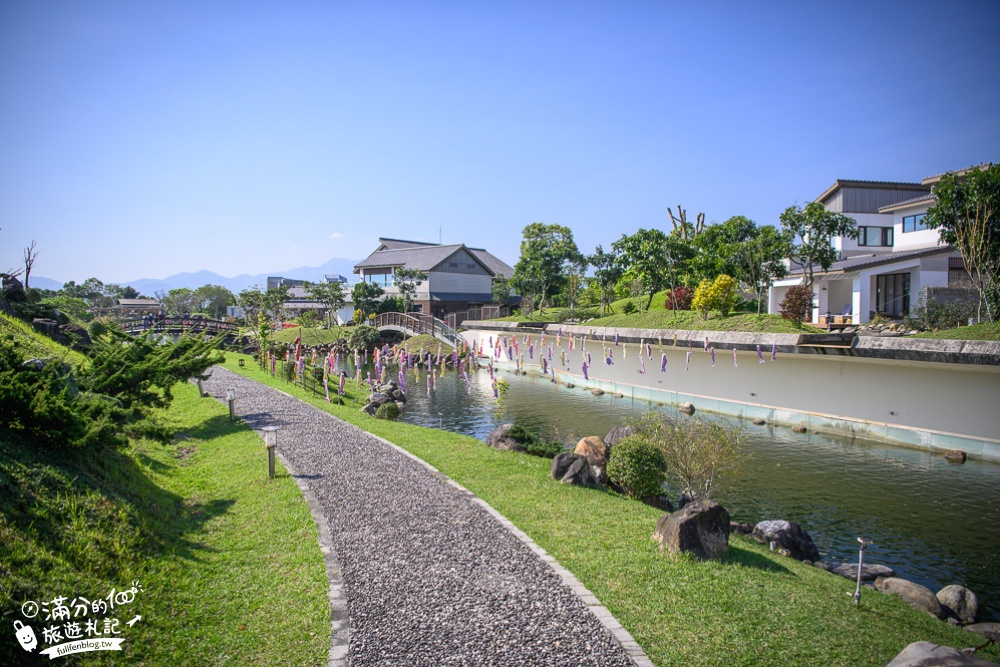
x,y
917,403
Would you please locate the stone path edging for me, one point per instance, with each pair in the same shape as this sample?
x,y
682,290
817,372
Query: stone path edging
x,y
589,600
340,622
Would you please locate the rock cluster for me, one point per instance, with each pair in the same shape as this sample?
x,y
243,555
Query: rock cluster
x,y
787,538
701,529
384,393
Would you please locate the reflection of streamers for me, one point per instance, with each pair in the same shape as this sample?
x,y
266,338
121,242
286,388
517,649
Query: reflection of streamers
x,y
712,350
734,358
687,361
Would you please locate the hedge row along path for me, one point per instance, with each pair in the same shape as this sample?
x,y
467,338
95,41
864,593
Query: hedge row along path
x,y
431,575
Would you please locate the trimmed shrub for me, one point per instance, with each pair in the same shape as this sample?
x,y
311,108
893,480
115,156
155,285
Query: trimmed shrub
x,y
719,295
683,295
629,307
637,466
387,411
797,304
939,315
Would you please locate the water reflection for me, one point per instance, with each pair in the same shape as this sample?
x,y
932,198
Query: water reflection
x,y
933,522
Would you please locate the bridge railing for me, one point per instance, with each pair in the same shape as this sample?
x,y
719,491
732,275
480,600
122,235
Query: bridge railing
x,y
139,324
418,323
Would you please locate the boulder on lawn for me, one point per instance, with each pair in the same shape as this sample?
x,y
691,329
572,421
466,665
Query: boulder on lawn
x,y
989,631
686,408
926,654
701,529
570,468
499,439
788,538
914,594
960,601
596,453
869,571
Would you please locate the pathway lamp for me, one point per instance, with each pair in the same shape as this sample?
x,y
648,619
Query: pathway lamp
x,y
861,562
231,397
270,442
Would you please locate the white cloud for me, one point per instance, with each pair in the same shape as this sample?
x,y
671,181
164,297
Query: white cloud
x,y
336,235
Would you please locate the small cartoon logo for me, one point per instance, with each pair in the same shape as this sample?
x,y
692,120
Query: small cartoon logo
x,y
25,636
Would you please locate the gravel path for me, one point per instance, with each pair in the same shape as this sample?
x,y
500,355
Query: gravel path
x,y
432,577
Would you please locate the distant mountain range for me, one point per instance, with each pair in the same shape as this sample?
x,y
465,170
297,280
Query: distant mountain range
x,y
150,286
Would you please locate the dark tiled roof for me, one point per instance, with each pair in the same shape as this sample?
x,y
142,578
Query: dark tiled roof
x,y
426,256
497,266
865,261
907,202
421,258
853,183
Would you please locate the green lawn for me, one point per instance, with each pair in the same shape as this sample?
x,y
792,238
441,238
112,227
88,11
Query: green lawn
x,y
229,560
657,317
752,608
310,336
38,345
981,331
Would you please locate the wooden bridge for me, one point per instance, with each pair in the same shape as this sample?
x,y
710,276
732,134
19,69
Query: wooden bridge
x,y
415,324
178,325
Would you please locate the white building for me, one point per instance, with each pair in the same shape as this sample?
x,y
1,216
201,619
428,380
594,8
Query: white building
x,y
894,258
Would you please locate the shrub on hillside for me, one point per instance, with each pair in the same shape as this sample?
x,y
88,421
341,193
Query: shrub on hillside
x,y
637,466
797,304
718,294
629,307
682,296
362,337
939,315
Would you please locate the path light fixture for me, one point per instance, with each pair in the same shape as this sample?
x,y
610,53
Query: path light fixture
x,y
270,442
231,397
243,362
861,562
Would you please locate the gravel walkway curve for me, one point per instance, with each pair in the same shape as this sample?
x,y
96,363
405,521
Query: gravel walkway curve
x,y
432,576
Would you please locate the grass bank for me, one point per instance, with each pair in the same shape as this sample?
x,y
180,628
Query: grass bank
x,y
751,608
229,561
981,331
310,335
37,345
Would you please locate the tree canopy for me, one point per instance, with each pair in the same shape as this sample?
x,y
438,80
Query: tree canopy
x,y
813,227
655,258
330,294
366,297
967,215
548,253
407,281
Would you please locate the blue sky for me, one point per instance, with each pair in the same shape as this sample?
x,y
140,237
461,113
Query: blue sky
x,y
141,139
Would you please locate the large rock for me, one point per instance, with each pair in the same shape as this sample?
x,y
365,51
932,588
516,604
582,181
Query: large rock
x,y
571,468
787,538
914,594
78,337
960,601
987,630
926,654
499,439
45,326
619,433
869,571
701,529
13,290
596,453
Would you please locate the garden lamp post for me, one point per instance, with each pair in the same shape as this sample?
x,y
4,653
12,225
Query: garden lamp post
x,y
231,397
861,562
270,442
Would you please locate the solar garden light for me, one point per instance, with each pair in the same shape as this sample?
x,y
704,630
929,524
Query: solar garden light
x,y
231,397
861,561
270,442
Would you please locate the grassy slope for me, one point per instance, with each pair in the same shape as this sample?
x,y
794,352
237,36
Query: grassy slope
x,y
981,331
657,317
36,345
222,552
310,336
753,608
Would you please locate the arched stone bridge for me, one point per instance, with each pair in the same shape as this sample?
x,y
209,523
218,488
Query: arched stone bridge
x,y
179,325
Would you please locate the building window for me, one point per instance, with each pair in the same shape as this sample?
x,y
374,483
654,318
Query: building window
x,y
453,265
875,236
892,294
470,266
914,223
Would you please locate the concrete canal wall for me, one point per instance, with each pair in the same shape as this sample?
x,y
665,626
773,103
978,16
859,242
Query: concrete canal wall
x,y
921,393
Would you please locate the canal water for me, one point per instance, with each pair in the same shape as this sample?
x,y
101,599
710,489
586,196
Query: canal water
x,y
933,522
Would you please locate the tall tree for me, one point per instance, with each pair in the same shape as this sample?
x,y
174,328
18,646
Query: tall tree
x,y
655,258
30,255
607,272
500,288
260,309
714,246
813,227
407,281
213,299
366,297
967,214
758,261
330,294
548,253
180,301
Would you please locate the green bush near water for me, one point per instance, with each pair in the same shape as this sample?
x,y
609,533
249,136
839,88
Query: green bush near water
x,y
533,443
637,466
